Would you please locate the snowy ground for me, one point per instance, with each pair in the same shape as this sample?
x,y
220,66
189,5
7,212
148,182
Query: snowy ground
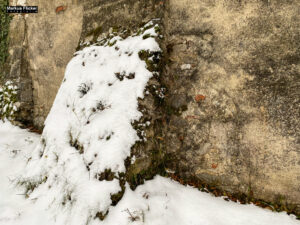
x,y
60,177
157,202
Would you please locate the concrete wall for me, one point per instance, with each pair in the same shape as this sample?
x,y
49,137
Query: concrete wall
x,y
52,40
232,72
241,91
41,45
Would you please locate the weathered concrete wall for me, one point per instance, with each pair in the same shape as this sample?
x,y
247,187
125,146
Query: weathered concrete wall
x,y
16,67
52,40
41,46
100,15
234,72
231,116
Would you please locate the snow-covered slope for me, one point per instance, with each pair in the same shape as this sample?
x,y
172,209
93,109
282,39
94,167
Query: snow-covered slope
x,y
165,202
88,132
16,147
157,202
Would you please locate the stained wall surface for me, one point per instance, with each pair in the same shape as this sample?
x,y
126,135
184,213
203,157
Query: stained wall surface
x,y
232,70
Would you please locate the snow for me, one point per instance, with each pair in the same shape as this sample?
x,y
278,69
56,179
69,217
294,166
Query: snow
x,y
89,130
55,178
15,148
163,201
186,67
158,202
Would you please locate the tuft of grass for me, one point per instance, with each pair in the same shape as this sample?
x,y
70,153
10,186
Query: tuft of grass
x,y
75,143
30,185
107,175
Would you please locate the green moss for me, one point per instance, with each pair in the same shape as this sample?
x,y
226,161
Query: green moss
x,y
110,44
146,36
115,29
157,29
159,161
143,54
152,59
8,96
101,215
115,198
4,29
95,33
106,175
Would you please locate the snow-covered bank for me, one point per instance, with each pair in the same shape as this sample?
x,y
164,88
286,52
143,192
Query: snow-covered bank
x,y
16,146
157,202
165,202
78,167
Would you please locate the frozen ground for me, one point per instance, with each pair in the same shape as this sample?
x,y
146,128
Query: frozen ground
x,y
157,202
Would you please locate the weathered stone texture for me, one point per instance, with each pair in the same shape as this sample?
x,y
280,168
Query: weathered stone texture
x,y
101,15
233,76
41,45
243,58
52,40
16,67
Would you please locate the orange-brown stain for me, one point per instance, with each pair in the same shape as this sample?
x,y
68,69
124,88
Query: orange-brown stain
x,y
199,98
60,8
214,166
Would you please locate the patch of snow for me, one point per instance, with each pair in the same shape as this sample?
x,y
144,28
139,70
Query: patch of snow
x,y
89,130
163,201
158,202
185,67
16,146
